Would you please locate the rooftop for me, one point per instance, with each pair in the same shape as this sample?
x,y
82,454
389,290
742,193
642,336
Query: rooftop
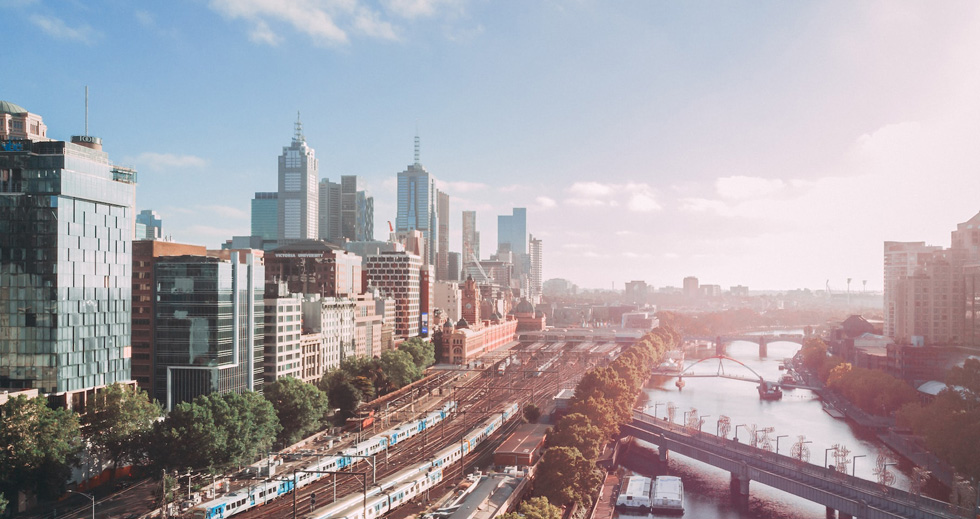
x,y
7,107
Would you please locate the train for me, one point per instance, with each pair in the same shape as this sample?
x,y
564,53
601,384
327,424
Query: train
x,y
407,484
268,490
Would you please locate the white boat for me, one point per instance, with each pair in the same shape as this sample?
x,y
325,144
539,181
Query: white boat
x,y
634,494
668,495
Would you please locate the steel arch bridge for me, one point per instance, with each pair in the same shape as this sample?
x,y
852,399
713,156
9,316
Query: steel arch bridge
x,y
720,371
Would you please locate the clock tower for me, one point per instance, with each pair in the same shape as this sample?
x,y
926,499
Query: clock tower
x,y
471,303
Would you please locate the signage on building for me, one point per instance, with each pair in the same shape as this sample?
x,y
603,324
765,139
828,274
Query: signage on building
x,y
424,328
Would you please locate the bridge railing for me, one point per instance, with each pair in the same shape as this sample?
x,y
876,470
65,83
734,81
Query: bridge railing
x,y
788,466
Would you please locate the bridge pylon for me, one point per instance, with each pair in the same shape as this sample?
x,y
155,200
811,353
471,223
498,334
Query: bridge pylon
x,y
719,346
763,347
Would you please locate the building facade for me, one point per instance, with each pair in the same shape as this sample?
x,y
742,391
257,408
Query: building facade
x,y
298,199
512,231
535,279
265,216
330,222
66,229
902,259
313,267
333,319
152,225
442,247
417,207
283,338
146,253
471,238
210,327
396,275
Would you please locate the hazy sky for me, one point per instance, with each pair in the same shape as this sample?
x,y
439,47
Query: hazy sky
x,y
769,144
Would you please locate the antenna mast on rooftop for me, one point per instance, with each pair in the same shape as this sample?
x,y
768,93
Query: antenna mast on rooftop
x,y
86,110
298,137
417,147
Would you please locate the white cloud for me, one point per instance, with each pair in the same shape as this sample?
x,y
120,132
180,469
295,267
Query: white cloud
x,y
416,8
315,19
545,202
161,161
585,202
368,23
225,211
57,28
591,189
461,186
741,187
643,203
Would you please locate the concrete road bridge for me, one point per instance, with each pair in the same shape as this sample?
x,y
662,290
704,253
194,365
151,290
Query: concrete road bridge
x,y
722,341
848,495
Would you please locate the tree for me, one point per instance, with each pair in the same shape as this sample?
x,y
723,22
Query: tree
x,y
341,392
966,376
189,437
565,476
118,421
576,430
423,352
300,408
38,447
250,422
535,508
532,413
400,367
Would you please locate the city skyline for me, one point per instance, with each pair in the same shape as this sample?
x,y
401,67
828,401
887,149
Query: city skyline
x,y
773,146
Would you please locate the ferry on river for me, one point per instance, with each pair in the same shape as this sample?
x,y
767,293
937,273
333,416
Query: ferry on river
x,y
643,495
668,495
769,390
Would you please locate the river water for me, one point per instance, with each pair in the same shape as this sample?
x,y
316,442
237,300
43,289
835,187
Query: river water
x,y
800,412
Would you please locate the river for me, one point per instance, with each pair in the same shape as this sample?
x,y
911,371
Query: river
x,y
799,412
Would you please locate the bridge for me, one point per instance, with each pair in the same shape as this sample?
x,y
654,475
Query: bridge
x,y
721,341
769,390
850,496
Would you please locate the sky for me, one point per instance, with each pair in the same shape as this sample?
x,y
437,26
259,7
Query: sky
x,y
770,144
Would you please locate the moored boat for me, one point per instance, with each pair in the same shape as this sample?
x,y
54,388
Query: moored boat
x,y
668,495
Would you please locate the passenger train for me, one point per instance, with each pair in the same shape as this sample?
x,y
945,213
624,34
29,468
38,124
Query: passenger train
x,y
268,490
404,486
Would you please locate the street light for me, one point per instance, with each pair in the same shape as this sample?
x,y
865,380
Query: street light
x,y
827,451
854,463
736,430
656,408
91,498
777,441
701,422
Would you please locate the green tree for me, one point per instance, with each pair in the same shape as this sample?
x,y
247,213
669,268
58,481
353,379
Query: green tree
x,y
3,503
532,413
250,422
423,352
38,447
189,436
400,368
341,392
565,476
576,430
118,421
535,508
966,376
300,408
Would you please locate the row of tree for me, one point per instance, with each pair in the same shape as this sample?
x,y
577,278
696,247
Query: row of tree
x,y
603,400
360,379
874,391
950,424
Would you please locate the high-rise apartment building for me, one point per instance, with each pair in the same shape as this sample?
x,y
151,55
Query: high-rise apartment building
x,y
396,275
902,259
298,193
512,232
283,338
417,206
330,197
151,223
357,211
536,253
210,329
146,253
471,238
265,216
66,229
455,264
442,247
333,318
692,289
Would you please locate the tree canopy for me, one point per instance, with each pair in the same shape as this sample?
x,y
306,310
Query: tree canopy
x,y
118,421
535,508
38,447
565,476
423,352
300,408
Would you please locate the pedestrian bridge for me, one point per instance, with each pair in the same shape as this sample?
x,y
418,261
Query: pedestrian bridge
x,y
720,341
851,496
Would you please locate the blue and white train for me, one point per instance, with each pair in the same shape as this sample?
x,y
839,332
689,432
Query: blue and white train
x,y
266,491
404,486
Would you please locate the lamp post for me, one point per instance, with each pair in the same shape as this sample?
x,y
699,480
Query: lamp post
x,y
656,408
685,418
825,452
736,430
91,498
777,441
701,422
854,463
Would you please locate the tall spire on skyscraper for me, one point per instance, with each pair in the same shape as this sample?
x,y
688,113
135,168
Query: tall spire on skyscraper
x,y
298,136
417,163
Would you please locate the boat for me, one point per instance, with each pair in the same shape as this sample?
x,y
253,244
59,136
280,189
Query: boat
x,y
769,391
634,494
668,495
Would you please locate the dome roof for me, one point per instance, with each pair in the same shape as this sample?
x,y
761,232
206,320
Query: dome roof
x,y
448,323
10,108
524,307
461,323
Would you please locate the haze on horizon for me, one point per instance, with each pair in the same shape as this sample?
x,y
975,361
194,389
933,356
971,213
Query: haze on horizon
x,y
774,145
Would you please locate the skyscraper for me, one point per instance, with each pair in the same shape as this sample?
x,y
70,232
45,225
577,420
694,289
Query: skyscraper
x,y
210,329
265,216
66,227
902,259
512,232
471,238
535,280
298,195
153,225
417,205
356,211
330,228
442,249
